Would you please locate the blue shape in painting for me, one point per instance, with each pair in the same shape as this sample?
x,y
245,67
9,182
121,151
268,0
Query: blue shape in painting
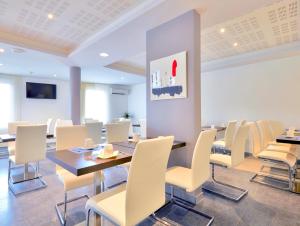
x,y
171,90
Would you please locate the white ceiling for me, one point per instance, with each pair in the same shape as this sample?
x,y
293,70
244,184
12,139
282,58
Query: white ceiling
x,y
81,29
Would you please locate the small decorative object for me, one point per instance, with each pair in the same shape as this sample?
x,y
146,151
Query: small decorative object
x,y
168,77
126,115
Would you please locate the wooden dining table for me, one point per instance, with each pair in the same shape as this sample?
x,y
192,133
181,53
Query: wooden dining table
x,y
81,163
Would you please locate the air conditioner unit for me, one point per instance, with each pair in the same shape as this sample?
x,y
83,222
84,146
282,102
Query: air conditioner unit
x,y
117,91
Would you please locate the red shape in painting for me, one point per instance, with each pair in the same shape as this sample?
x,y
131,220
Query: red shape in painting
x,y
174,68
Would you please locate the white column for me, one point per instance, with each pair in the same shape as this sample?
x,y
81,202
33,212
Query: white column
x,y
75,79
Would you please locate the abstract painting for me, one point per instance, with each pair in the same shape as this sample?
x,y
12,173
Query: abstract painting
x,y
168,77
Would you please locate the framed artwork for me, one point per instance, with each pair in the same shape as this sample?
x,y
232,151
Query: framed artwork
x,y
168,77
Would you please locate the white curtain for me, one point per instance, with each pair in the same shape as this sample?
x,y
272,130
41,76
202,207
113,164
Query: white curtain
x,y
95,102
9,100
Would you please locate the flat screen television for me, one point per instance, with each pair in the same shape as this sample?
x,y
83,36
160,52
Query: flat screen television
x,y
40,90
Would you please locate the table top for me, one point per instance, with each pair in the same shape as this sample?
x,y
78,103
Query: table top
x,y
9,137
218,128
131,145
288,140
84,163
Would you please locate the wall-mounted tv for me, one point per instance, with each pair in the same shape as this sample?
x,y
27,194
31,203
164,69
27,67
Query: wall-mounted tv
x,y
40,90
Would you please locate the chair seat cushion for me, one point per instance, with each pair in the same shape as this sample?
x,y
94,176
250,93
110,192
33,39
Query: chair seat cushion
x,y
219,143
283,149
279,156
221,159
71,181
110,204
180,176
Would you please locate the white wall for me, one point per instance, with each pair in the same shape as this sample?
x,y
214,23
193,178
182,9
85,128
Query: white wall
x,y
39,110
266,90
137,101
118,103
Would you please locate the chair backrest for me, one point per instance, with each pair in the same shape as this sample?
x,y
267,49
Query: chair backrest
x,y
145,189
12,126
200,161
49,124
70,136
265,132
254,138
30,143
143,128
62,123
94,131
243,122
229,133
238,146
89,120
117,132
277,128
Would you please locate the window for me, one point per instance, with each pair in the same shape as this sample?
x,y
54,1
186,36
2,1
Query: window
x,y
96,103
8,103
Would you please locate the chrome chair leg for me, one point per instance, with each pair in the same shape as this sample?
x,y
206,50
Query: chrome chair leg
x,y
63,216
181,203
210,187
88,213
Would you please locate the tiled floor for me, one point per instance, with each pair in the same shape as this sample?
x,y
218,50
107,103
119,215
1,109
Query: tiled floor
x,y
263,206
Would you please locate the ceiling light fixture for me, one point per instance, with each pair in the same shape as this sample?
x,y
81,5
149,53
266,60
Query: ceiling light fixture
x,y
235,44
2,50
1,65
222,30
103,54
54,75
50,16
122,78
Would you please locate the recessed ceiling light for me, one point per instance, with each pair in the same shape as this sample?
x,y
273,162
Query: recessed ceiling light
x,y
54,75
122,78
222,30
103,54
235,44
2,50
50,16
1,65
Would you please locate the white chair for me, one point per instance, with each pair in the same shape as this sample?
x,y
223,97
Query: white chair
x,y
30,147
117,132
49,125
243,122
12,130
229,161
228,138
192,178
267,141
144,193
61,123
89,120
69,137
272,159
95,131
143,128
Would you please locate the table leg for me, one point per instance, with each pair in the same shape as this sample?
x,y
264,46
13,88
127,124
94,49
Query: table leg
x,y
98,188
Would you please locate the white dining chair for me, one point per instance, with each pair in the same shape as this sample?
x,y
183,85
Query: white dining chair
x,y
128,204
30,147
228,137
12,130
143,128
271,159
117,132
49,125
229,161
61,123
192,178
95,131
267,141
69,137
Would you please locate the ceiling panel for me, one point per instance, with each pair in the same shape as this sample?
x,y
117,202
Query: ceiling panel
x,y
73,21
270,26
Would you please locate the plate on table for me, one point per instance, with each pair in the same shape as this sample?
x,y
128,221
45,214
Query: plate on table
x,y
90,147
108,156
